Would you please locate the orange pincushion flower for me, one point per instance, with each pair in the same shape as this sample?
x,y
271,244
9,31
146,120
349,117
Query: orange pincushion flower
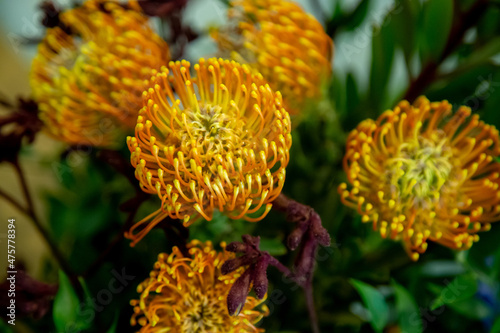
x,y
89,83
189,295
220,142
282,42
419,174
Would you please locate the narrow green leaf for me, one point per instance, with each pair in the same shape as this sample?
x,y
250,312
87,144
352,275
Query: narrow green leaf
x,y
112,329
459,289
437,23
404,17
358,15
473,308
352,94
66,309
496,326
480,56
485,52
409,317
6,328
382,58
375,303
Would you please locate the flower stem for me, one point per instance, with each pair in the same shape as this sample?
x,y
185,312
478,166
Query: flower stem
x,y
429,71
13,202
30,211
308,233
308,291
307,287
282,268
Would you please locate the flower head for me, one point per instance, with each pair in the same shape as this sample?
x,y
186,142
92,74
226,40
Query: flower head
x,y
419,173
88,78
282,42
188,294
221,141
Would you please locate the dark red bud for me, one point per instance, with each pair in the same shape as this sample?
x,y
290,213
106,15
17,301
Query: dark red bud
x,y
229,266
233,264
259,277
319,232
295,237
238,294
252,241
297,212
237,247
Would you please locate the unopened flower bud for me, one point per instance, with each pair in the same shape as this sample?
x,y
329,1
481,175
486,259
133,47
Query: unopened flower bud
x,y
238,294
295,237
253,241
319,232
259,277
236,247
233,264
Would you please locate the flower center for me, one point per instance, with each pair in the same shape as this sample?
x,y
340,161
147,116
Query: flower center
x,y
213,130
420,171
201,314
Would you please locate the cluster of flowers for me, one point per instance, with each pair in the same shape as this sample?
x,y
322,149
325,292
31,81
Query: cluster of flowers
x,y
218,137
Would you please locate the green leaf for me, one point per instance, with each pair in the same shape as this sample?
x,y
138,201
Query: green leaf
x,y
66,310
274,246
358,15
459,289
409,317
382,58
4,327
403,23
485,52
482,252
473,308
496,326
437,22
352,94
112,329
375,302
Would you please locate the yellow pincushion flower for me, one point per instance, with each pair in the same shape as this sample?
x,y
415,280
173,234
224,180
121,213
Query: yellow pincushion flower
x,y
217,140
282,42
188,294
419,173
89,82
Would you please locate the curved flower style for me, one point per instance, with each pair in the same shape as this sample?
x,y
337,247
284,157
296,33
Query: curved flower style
x,y
282,42
223,144
189,295
419,174
89,82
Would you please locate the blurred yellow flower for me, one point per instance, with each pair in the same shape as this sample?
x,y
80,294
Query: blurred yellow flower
x,y
282,42
218,140
89,82
189,295
419,174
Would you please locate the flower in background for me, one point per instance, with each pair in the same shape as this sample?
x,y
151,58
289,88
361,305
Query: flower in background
x,y
89,75
221,141
288,46
188,294
419,174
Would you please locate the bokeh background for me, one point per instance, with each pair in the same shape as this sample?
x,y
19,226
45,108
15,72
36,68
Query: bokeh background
x,y
381,50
